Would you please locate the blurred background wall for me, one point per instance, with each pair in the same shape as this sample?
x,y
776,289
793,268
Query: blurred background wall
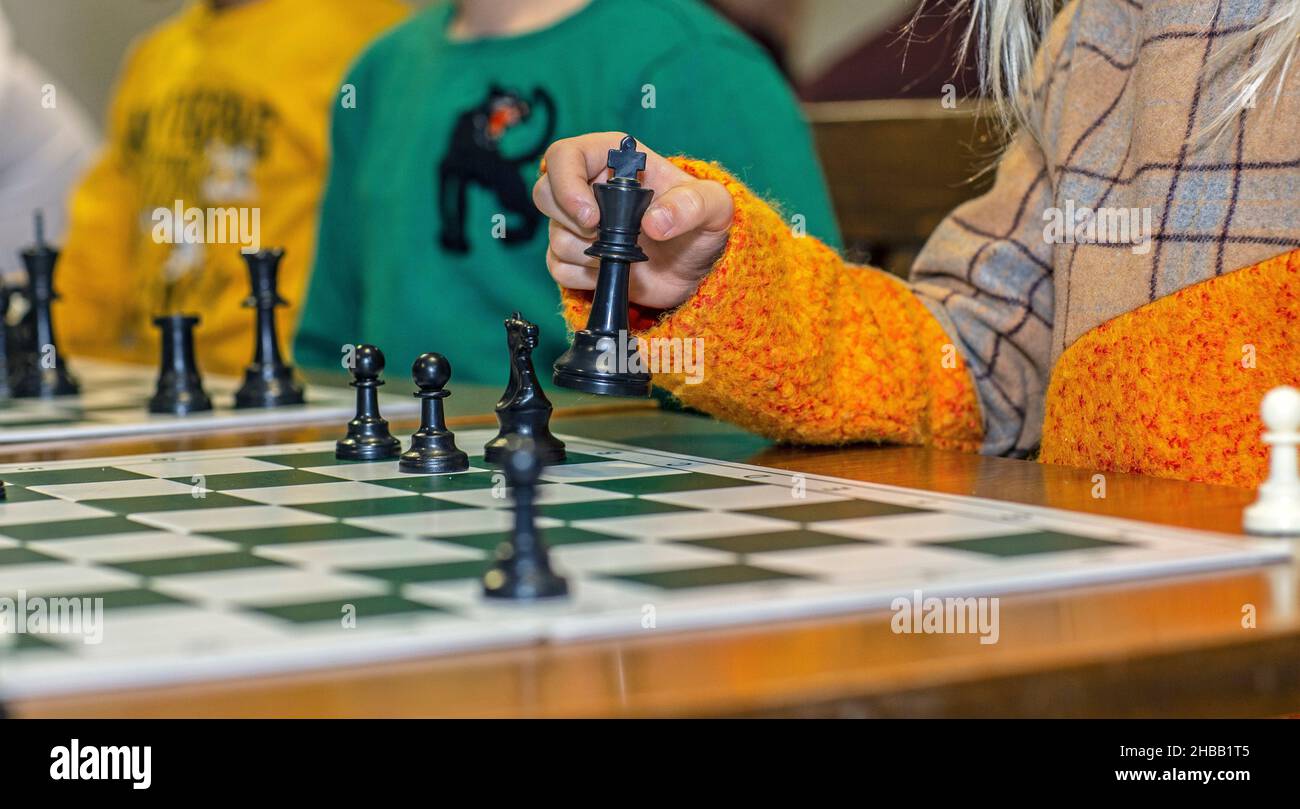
x,y
830,49
80,42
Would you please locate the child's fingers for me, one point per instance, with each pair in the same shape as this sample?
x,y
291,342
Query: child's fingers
x,y
572,165
569,247
570,276
564,192
696,205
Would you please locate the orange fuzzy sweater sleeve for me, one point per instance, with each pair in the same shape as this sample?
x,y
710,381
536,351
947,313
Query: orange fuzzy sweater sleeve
x,y
802,347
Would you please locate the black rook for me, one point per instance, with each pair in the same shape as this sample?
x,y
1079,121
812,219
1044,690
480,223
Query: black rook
x,y
268,380
180,389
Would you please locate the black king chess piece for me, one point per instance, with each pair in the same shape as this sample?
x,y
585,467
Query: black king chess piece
x,y
180,388
268,381
38,368
433,447
523,409
368,438
521,567
604,358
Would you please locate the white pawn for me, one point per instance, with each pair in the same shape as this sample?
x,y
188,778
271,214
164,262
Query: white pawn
x,y
1277,511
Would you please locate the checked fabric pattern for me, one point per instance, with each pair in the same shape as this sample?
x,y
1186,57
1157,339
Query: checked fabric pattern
x,y
1126,87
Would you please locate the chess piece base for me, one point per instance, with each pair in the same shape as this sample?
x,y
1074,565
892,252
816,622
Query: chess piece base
x,y
179,399
42,383
1273,514
266,387
509,580
549,448
367,448
584,367
433,453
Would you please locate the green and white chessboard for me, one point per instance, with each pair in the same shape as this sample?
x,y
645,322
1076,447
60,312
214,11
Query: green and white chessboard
x,y
271,559
114,402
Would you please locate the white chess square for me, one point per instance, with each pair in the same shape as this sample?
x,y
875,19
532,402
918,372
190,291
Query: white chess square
x,y
341,492
111,489
590,558
60,578
551,494
199,520
684,525
115,548
380,470
359,554
47,511
452,522
178,630
922,527
742,497
603,470
870,563
267,586
185,468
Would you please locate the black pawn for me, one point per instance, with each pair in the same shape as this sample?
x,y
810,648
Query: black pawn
x,y
39,368
368,438
180,389
521,568
268,381
604,358
433,447
523,409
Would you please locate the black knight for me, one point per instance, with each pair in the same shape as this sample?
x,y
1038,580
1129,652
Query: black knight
x,y
523,409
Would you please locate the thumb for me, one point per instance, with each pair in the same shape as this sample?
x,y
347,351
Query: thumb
x,y
702,205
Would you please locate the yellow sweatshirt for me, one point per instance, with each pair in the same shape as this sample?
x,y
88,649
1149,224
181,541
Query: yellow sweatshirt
x,y
222,116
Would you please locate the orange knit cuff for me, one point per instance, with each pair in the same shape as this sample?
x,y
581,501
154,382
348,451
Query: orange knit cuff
x,y
801,347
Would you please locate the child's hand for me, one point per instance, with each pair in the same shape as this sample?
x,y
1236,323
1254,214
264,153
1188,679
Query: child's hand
x,y
683,232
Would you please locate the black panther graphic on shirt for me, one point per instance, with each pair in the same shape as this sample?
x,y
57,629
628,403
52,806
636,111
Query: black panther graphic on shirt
x,y
474,156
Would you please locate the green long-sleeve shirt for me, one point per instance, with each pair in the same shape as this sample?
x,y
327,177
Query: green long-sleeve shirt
x,y
428,234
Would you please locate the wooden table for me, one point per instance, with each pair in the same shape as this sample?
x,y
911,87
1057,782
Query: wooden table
x,y
1164,647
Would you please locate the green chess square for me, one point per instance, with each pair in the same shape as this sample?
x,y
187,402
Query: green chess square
x,y
169,502
564,535
204,563
283,534
718,576
336,611
54,477
833,510
258,480
773,541
422,574
667,484
28,642
603,509
128,599
571,458
18,494
304,460
424,484
378,507
1028,544
22,556
65,529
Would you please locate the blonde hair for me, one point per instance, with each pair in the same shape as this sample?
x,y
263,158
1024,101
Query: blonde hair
x,y
1006,34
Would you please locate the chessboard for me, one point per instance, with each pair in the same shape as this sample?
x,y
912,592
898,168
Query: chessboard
x,y
237,562
114,402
